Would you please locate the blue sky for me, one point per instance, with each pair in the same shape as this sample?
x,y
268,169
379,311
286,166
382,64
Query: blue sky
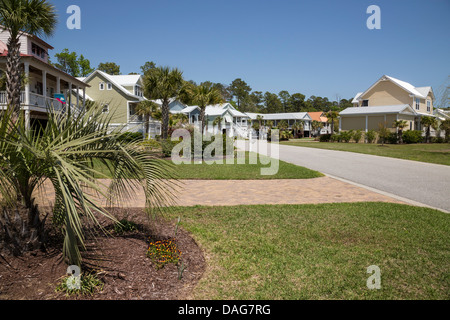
x,y
315,47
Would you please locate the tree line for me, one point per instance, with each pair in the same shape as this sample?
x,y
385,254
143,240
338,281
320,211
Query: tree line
x,y
238,92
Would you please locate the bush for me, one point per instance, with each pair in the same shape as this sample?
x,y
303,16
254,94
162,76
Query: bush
x,y
336,138
325,138
412,136
370,136
346,136
151,144
357,135
167,147
392,138
437,140
124,226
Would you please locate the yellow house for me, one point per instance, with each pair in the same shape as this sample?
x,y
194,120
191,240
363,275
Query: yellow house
x,y
386,101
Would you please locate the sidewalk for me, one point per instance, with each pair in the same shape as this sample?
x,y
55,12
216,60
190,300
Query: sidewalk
x,y
254,192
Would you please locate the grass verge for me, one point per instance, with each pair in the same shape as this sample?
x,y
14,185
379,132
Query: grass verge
x,y
322,251
438,153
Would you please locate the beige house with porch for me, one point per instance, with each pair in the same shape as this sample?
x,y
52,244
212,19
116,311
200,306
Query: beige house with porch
x,y
43,80
387,100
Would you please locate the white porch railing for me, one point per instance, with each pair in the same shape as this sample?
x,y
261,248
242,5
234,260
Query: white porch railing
x,y
36,100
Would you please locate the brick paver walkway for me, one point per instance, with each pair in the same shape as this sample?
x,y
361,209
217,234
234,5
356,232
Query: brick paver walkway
x,y
252,192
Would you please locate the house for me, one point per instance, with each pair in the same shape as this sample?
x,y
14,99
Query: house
x,y
277,118
43,80
233,123
119,95
322,119
386,101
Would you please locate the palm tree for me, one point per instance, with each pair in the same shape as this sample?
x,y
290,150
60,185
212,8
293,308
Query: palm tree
x,y
428,122
445,126
165,84
332,116
35,17
203,96
400,125
147,109
63,154
298,126
218,121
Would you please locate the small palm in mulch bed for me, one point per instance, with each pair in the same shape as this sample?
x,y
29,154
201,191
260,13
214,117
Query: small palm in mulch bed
x,y
117,262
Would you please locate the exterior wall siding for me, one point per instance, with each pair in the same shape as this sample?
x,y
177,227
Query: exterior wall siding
x,y
386,93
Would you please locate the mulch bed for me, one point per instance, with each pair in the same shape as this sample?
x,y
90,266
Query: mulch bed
x,y
125,270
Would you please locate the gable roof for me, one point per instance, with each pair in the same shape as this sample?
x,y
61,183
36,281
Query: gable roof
x,y
420,92
402,108
318,116
127,80
281,116
113,81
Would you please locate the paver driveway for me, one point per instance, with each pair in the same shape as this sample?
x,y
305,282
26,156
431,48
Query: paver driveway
x,y
425,183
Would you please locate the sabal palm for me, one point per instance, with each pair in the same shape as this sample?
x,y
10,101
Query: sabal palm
x,y
400,125
35,17
67,153
218,122
332,116
203,96
428,122
147,109
165,84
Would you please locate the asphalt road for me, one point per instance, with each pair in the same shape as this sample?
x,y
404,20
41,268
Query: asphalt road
x,y
424,183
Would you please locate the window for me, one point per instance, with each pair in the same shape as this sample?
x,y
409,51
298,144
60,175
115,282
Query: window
x,y
102,86
105,108
109,86
417,103
365,103
138,91
38,51
428,105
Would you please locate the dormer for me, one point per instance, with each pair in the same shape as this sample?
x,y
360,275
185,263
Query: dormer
x,y
38,48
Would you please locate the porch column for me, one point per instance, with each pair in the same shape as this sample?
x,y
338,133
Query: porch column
x,y
340,124
69,95
367,123
27,85
84,98
58,85
78,96
27,119
44,85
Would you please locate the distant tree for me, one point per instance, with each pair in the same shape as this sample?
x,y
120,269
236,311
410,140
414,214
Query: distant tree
x,y
70,63
272,103
445,126
109,68
149,65
218,122
239,89
285,100
297,102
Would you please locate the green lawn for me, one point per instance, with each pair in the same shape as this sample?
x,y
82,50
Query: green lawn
x,y
438,153
321,251
242,171
235,171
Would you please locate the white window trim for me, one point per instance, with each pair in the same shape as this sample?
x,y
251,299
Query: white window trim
x,y
101,86
109,86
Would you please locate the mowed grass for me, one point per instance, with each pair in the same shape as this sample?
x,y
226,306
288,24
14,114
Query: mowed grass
x,y
245,171
323,251
438,153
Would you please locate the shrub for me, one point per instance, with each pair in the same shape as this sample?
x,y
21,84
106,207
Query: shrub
x,y
357,135
164,252
412,136
346,136
437,140
124,226
325,138
336,138
370,136
130,136
392,138
151,144
89,285
167,147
